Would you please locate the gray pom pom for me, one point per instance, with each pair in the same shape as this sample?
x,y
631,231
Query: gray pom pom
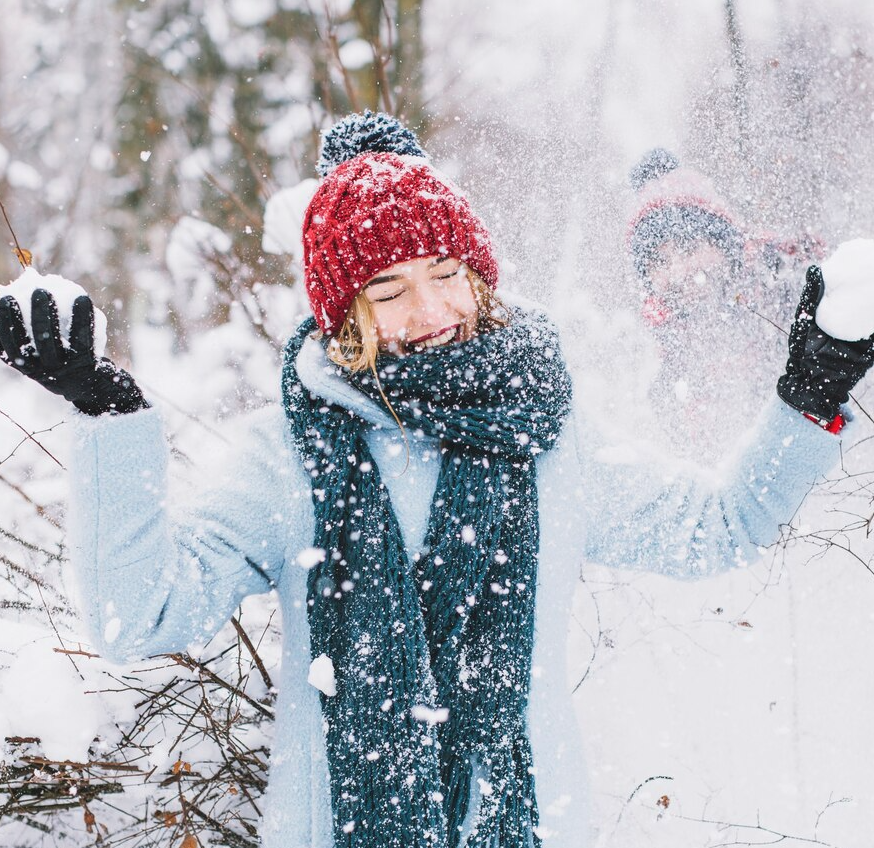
x,y
371,132
653,164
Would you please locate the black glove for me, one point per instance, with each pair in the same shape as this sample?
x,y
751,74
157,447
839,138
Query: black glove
x,y
94,386
821,370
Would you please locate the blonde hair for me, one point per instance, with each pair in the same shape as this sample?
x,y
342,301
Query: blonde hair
x,y
355,346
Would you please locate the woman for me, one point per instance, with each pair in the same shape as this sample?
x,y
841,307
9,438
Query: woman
x,y
426,467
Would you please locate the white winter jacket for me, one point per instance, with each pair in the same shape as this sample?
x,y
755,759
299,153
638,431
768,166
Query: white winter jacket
x,y
153,582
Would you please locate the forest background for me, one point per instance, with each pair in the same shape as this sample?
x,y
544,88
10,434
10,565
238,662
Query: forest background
x,y
140,143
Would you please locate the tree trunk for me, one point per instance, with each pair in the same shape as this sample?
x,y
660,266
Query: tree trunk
x,y
741,76
409,60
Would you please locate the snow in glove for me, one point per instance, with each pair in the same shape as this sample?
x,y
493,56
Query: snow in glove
x,y
821,369
72,371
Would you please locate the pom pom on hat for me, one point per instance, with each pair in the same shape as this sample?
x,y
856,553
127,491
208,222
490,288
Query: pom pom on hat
x,y
370,132
653,164
379,204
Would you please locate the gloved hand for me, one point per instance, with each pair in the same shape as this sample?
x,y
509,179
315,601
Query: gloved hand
x,y
94,386
821,370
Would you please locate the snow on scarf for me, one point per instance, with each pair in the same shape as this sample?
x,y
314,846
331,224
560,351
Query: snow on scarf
x,y
432,658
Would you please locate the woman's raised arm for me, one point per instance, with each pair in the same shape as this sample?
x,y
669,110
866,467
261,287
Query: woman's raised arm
x,y
691,525
149,583
154,582
700,524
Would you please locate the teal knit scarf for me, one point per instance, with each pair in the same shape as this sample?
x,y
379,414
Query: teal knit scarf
x,y
432,657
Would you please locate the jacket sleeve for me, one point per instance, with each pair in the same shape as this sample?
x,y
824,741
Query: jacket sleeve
x,y
151,582
695,524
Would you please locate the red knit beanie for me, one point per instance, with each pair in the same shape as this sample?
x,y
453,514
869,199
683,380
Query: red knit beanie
x,y
376,209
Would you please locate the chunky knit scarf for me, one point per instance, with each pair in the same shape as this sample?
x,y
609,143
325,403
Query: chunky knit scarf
x,y
431,655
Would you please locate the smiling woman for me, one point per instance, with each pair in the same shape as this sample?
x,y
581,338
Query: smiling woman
x,y
423,701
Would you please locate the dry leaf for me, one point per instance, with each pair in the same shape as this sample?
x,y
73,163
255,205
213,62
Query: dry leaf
x,y
24,256
664,801
190,841
233,790
169,819
744,624
89,820
179,765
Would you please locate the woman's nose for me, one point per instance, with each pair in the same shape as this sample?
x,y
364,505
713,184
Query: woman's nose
x,y
432,300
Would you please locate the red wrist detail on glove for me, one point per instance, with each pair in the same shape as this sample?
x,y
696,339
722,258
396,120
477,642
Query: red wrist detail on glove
x,y
834,426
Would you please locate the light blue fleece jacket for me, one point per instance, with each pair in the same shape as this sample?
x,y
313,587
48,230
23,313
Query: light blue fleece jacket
x,y
152,582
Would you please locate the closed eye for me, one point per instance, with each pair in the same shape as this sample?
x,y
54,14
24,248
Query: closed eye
x,y
386,299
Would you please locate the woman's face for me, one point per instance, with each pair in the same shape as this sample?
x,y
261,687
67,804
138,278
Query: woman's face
x,y
422,303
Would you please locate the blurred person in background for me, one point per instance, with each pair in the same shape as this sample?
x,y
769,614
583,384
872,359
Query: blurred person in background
x,y
715,298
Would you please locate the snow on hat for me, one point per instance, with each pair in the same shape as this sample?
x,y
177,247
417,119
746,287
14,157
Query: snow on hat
x,y
380,202
676,204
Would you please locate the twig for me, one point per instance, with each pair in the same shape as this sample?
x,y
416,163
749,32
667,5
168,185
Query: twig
x,y
26,606
57,632
780,837
595,644
381,58
839,546
30,436
80,653
236,291
862,409
334,47
642,784
630,798
72,764
244,638
29,545
822,812
232,839
774,324
253,219
40,510
192,665
34,578
18,251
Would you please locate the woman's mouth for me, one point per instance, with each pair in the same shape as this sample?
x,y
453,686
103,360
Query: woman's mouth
x,y
441,337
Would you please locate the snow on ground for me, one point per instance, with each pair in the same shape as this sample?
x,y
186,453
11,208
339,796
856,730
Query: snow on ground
x,y
44,694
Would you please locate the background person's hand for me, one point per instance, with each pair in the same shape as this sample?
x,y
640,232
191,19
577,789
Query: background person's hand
x,y
821,370
72,371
